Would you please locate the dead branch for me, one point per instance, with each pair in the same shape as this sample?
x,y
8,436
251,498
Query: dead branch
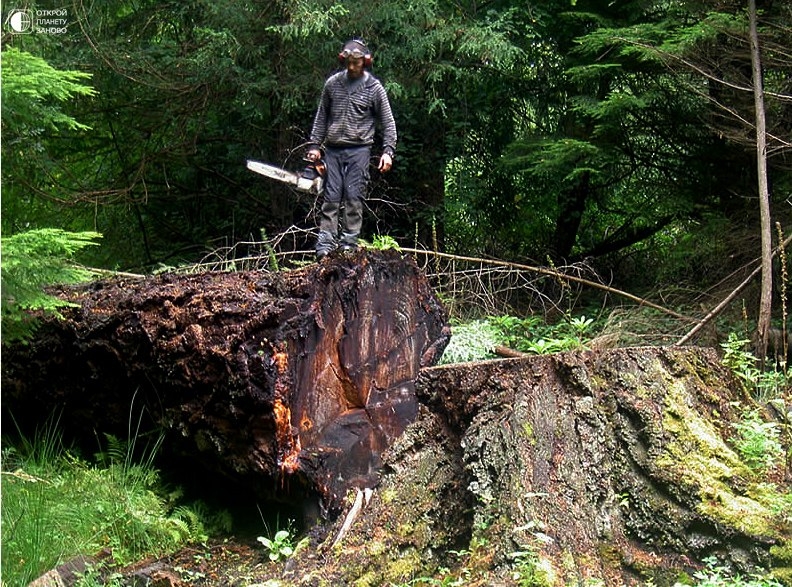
x,y
504,351
721,306
557,274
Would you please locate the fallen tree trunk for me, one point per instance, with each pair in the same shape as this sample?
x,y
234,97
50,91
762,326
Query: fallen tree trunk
x,y
598,467
292,383
581,468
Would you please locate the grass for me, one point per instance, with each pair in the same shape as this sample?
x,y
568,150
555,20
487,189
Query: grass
x,y
57,505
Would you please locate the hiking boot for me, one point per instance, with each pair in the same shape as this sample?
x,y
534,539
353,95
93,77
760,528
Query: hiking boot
x,y
349,241
325,244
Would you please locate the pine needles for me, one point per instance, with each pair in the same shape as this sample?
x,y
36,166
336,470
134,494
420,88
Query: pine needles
x,y
31,261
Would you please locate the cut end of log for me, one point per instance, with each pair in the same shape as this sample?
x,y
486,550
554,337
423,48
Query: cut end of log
x,y
292,381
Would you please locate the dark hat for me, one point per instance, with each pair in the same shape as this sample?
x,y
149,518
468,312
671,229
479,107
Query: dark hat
x,y
355,48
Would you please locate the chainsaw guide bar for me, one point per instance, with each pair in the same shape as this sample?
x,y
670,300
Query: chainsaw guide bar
x,y
304,184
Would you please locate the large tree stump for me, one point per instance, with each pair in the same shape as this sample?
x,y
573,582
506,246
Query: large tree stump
x,y
292,383
582,468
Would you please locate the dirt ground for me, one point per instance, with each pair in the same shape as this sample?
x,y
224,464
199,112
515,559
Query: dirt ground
x,y
228,563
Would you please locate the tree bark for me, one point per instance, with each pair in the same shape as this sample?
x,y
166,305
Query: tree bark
x,y
766,298
293,383
593,467
609,468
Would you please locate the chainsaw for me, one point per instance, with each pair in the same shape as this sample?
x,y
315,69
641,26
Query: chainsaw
x,y
310,179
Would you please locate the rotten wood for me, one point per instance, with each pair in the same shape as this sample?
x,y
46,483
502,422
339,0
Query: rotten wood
x,y
509,353
292,383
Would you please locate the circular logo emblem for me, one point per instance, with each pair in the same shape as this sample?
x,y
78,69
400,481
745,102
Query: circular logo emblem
x,y
20,21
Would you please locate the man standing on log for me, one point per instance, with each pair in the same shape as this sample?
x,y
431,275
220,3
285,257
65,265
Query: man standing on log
x,y
352,103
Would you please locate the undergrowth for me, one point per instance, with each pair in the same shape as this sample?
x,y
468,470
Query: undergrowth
x,y
717,575
31,261
476,340
57,505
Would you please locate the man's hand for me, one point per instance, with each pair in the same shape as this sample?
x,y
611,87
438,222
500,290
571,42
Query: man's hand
x,y
385,163
313,155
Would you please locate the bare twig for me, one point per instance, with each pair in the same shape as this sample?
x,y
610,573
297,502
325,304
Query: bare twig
x,y
559,275
361,500
720,307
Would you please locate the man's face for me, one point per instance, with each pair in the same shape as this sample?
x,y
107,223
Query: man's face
x,y
354,66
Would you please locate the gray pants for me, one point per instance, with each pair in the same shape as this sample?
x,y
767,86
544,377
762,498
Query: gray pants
x,y
345,183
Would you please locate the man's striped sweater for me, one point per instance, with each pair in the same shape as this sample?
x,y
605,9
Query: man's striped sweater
x,y
349,111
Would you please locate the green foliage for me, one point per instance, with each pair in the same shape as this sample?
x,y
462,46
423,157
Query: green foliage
x,y
32,261
271,253
533,335
562,130
35,125
471,341
717,575
382,242
476,340
741,362
281,545
307,20
529,570
31,91
56,506
764,385
758,441
97,576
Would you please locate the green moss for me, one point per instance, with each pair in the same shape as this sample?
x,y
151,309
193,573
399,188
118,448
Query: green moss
x,y
388,495
609,555
568,562
528,433
697,455
545,573
403,568
782,554
376,549
370,579
741,512
781,567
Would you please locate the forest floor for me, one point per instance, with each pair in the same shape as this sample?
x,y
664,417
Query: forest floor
x,y
232,562
241,561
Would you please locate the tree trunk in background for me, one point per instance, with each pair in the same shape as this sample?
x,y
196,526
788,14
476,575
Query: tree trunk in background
x,y
766,300
293,383
572,205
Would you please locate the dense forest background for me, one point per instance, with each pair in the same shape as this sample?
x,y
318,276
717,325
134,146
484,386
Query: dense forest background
x,y
613,142
617,133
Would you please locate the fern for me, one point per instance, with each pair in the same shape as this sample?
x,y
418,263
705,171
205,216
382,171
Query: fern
x,y
30,262
471,341
381,242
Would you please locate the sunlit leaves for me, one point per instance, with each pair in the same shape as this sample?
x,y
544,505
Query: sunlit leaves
x,y
31,261
33,93
308,19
